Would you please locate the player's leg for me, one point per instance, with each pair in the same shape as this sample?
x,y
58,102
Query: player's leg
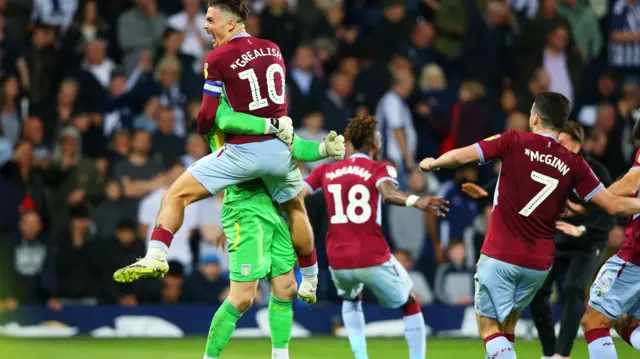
x,y
350,290
579,274
611,296
391,284
495,285
204,178
248,262
285,186
283,287
628,328
540,307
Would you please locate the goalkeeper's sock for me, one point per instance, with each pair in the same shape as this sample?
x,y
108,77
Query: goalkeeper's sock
x,y
222,326
353,319
414,330
280,323
161,238
309,265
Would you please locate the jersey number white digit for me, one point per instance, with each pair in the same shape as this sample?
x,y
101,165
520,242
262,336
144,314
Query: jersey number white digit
x,y
259,102
550,184
354,203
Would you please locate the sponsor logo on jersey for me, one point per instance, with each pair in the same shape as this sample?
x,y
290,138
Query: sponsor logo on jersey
x,y
492,138
548,159
392,171
206,70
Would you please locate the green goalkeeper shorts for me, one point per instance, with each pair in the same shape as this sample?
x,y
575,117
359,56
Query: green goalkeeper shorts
x,y
258,239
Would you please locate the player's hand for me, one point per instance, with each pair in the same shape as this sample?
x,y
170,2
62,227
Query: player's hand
x,y
568,229
427,165
284,126
333,146
571,209
433,204
473,190
220,242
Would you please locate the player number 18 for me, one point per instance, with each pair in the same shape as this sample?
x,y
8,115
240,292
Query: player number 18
x,y
550,184
358,197
259,102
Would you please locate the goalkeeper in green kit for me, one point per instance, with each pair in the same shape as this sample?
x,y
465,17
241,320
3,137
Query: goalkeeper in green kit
x,y
259,245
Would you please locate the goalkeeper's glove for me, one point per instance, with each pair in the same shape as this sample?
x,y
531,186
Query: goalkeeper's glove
x,y
281,127
333,146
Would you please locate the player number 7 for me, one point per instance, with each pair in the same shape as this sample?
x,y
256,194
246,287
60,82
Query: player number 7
x,y
550,184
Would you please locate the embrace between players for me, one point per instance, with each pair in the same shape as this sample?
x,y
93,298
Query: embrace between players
x,y
243,117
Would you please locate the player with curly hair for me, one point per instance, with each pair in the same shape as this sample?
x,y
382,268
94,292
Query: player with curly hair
x,y
358,253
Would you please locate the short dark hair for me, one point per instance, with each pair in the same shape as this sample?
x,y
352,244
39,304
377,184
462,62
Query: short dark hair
x,y
360,130
553,109
239,8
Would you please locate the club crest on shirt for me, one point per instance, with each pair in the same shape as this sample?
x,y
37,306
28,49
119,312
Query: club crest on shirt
x,y
206,70
492,137
245,269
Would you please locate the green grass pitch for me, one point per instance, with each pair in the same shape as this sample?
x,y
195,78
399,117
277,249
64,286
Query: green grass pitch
x,y
316,348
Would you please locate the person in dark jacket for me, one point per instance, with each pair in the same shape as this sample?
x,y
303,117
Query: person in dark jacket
x,y
206,285
580,245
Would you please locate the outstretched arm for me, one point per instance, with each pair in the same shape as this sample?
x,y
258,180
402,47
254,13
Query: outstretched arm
x,y
452,159
627,185
239,123
432,204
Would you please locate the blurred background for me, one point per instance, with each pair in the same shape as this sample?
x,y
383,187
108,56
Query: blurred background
x,y
98,101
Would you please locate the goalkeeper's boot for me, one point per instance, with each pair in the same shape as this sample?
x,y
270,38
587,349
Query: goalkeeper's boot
x,y
307,290
154,264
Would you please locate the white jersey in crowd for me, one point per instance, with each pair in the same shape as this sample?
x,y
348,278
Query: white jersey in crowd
x,y
394,113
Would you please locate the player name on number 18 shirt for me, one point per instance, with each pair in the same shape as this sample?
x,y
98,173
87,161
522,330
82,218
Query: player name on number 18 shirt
x,y
536,176
350,188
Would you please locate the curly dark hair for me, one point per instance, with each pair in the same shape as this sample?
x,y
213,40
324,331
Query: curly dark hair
x,y
239,8
360,130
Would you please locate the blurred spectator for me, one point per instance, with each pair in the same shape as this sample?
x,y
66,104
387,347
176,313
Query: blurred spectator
x,y
210,228
195,150
74,179
206,285
312,130
140,29
118,149
33,132
451,24
190,67
373,79
98,66
120,248
584,27
517,121
44,62
606,91
524,9
624,48
508,105
88,26
191,22
394,28
420,285
89,125
281,27
58,14
537,83
25,260
10,118
56,112
304,87
172,284
399,137
166,146
473,237
12,60
454,280
419,49
108,213
77,260
337,107
462,211
146,121
138,173
168,74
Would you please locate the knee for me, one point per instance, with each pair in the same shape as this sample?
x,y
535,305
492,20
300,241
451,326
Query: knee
x,y
624,323
242,302
285,290
592,319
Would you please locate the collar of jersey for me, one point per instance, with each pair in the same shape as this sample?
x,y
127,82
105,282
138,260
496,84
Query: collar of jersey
x,y
359,155
241,34
549,135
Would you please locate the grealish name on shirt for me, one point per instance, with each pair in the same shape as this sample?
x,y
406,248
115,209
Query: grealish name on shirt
x,y
548,159
351,170
254,54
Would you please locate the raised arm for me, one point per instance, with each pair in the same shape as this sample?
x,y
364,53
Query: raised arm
x,y
392,195
452,159
616,205
627,185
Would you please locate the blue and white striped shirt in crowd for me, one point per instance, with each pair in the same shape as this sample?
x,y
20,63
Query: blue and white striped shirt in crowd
x,y
626,18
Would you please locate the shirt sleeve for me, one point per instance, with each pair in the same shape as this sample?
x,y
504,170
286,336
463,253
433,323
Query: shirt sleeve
x,y
587,184
313,182
495,146
385,172
212,75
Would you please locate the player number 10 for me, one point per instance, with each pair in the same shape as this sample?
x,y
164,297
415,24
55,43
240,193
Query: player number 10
x,y
259,102
358,197
550,184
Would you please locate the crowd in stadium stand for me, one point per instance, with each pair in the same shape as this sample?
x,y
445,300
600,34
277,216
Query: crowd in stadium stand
x,y
99,98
